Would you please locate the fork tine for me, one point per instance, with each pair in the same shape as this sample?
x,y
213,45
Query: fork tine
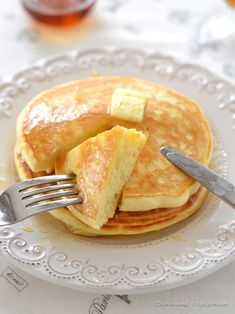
x,y
43,180
46,189
54,204
47,197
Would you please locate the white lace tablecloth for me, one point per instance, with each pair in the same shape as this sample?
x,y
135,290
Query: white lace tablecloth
x,y
170,27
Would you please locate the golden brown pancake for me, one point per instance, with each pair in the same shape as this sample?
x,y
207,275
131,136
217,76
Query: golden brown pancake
x,y
101,171
63,117
122,223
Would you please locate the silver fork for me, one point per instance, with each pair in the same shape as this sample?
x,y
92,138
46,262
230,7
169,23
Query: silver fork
x,y
28,198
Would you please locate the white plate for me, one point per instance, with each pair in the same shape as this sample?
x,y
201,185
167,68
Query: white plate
x,y
180,254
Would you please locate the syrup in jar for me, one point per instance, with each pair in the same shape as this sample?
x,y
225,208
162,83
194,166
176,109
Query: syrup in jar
x,y
58,12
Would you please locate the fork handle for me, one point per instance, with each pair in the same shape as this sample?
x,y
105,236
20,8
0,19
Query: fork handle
x,y
6,216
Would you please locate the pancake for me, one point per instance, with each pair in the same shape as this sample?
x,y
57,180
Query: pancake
x,y
130,223
102,165
63,117
123,223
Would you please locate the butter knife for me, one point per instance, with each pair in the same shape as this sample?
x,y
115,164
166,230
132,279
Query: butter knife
x,y
207,177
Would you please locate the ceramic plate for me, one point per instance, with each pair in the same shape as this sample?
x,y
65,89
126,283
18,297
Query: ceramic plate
x,y
161,260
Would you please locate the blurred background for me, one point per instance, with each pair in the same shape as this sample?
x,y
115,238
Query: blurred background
x,y
202,31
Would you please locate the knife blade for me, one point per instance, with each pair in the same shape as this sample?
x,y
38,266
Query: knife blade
x,y
207,177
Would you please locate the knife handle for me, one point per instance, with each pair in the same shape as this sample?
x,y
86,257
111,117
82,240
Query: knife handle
x,y
207,177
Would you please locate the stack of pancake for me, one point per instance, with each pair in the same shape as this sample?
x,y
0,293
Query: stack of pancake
x,y
155,194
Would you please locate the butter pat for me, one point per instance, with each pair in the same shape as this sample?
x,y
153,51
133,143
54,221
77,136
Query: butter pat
x,y
128,104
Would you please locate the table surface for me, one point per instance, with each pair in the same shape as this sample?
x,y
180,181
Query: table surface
x,y
164,25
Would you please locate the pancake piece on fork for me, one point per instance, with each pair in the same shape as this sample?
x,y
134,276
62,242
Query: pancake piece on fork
x,y
102,165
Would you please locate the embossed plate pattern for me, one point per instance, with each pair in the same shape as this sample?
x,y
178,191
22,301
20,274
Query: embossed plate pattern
x,y
185,252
